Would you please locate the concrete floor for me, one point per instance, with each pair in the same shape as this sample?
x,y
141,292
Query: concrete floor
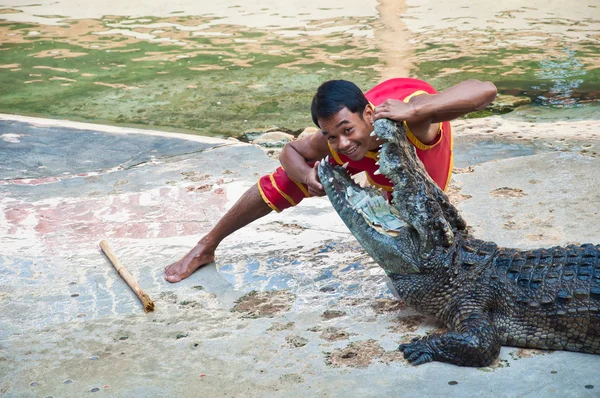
x,y
292,306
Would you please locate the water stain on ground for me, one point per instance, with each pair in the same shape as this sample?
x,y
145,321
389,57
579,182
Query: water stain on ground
x,y
361,354
296,341
331,314
522,353
407,324
552,238
507,192
497,364
195,176
189,304
264,304
454,194
463,170
168,296
334,334
291,378
382,306
279,326
511,225
200,188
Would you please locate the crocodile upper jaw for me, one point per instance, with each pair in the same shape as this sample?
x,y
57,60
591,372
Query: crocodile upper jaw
x,y
396,252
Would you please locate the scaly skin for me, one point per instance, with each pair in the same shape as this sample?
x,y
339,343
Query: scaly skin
x,y
487,296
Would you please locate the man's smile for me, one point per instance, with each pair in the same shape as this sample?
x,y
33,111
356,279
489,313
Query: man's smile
x,y
351,150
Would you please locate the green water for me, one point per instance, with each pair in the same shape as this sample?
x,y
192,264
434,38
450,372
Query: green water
x,y
559,86
254,79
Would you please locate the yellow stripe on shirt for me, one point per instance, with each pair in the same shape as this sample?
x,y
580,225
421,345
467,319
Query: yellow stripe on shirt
x,y
412,137
335,155
386,188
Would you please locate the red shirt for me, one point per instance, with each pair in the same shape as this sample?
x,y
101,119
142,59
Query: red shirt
x,y
436,157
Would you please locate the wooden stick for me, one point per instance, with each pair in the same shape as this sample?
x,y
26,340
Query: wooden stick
x,y
144,298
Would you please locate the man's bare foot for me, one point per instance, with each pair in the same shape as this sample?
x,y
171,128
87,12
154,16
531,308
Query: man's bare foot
x,y
197,257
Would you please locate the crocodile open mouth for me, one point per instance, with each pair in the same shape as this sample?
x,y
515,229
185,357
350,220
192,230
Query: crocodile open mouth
x,y
416,199
367,202
395,233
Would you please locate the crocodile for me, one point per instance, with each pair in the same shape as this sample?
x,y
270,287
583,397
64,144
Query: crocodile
x,y
486,296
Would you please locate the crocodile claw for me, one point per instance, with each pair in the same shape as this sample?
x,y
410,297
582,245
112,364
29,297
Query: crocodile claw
x,y
447,233
418,352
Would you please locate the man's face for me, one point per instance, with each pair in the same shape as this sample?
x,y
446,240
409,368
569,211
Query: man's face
x,y
349,134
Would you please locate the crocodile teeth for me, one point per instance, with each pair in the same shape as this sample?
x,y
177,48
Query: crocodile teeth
x,y
373,134
345,165
327,158
331,179
377,172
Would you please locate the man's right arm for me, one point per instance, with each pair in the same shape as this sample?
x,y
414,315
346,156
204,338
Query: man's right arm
x,y
296,154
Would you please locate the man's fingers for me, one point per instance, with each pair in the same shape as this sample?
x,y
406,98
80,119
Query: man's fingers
x,y
317,187
315,192
381,115
314,185
384,106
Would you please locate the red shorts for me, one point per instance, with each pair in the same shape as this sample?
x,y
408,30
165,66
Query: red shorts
x,y
280,192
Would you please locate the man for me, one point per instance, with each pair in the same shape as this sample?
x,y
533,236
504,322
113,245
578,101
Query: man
x,y
345,117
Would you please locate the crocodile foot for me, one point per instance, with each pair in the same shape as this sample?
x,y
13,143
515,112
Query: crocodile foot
x,y
477,345
417,352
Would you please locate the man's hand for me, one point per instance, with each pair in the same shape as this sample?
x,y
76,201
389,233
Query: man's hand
x,y
395,110
400,111
314,184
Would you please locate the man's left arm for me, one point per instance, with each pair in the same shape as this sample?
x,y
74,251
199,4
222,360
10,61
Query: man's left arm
x,y
423,112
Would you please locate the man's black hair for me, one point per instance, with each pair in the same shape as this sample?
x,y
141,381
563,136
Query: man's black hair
x,y
334,95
